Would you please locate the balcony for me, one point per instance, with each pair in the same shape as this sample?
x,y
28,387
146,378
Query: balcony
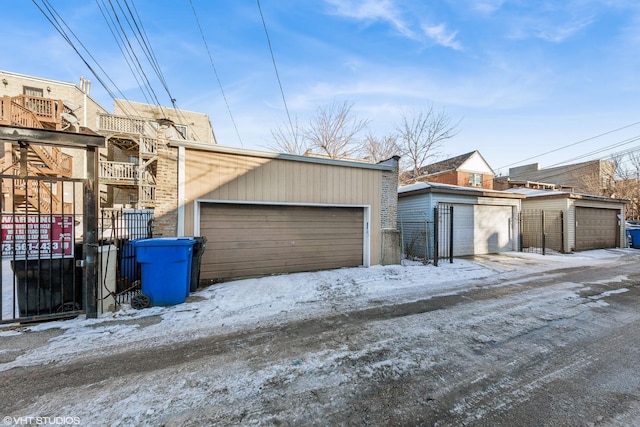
x,y
122,173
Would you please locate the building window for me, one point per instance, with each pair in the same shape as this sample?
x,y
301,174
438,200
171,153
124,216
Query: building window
x,y
32,91
475,180
182,131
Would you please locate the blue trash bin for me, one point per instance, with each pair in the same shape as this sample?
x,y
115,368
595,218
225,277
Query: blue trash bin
x,y
635,237
165,264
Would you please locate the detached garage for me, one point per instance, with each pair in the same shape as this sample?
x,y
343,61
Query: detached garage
x,y
264,213
591,222
438,220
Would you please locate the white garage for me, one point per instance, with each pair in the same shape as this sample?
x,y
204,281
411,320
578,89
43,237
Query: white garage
x,y
457,221
482,229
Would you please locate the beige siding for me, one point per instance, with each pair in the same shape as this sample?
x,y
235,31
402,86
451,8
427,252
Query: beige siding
x,y
221,176
568,205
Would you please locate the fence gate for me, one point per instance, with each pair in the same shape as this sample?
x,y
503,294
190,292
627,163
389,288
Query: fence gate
x,y
541,230
40,220
49,224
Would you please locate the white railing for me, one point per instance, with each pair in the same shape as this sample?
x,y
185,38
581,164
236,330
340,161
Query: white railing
x,y
122,124
148,196
118,171
148,145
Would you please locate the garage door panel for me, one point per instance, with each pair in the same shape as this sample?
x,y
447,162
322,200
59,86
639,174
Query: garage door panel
x,y
256,235
481,229
596,228
250,240
249,243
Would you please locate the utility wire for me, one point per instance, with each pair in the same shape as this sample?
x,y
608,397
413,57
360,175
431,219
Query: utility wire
x,y
120,44
273,59
572,144
215,72
57,22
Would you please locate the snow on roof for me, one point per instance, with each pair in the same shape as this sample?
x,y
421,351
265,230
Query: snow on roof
x,y
534,192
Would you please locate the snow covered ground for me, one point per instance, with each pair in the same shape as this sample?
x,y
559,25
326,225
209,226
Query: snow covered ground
x,y
277,300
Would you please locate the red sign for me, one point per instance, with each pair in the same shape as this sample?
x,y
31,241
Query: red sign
x,y
37,236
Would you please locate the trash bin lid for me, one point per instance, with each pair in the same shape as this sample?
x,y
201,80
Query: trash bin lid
x,y
164,241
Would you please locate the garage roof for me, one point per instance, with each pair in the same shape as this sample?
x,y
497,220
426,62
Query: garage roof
x,y
561,194
436,187
385,165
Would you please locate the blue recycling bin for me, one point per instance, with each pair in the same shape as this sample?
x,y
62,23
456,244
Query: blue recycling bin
x,y
165,264
635,237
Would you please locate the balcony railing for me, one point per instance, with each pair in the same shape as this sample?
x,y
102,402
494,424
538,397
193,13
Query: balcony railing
x,y
124,172
148,146
45,109
121,124
14,114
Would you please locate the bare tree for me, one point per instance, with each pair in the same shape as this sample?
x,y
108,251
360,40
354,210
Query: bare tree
x,y
289,140
333,130
379,149
421,135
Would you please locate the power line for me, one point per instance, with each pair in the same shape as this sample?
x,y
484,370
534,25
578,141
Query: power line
x,y
215,72
273,59
572,144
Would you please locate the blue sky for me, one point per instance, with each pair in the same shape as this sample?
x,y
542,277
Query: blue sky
x,y
526,77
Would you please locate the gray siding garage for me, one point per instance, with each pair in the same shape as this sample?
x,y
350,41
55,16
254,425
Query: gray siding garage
x,y
253,239
484,221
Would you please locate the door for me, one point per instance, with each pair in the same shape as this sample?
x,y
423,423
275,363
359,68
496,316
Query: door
x,y
596,228
254,240
482,229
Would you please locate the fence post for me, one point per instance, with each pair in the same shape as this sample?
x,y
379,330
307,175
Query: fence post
x,y
90,282
544,235
451,235
436,236
562,231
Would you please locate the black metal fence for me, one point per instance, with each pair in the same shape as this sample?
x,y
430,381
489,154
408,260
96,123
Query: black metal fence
x,y
443,236
541,230
41,239
120,227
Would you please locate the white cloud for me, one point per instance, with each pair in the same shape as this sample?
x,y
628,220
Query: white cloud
x,y
372,10
560,33
442,36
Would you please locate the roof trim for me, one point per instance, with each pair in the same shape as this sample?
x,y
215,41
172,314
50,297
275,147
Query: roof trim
x,y
462,191
277,156
578,196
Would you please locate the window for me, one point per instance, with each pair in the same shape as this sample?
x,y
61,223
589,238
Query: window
x,y
32,91
475,180
182,131
134,160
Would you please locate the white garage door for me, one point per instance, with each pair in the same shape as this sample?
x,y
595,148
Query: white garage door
x,y
256,240
596,228
482,229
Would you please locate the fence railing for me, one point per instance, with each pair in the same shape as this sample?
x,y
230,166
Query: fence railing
x,y
120,227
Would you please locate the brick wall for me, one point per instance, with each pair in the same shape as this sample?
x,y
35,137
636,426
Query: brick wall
x,y
389,197
166,210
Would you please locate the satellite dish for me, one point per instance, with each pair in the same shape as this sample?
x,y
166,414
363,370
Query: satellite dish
x,y
70,105
69,118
